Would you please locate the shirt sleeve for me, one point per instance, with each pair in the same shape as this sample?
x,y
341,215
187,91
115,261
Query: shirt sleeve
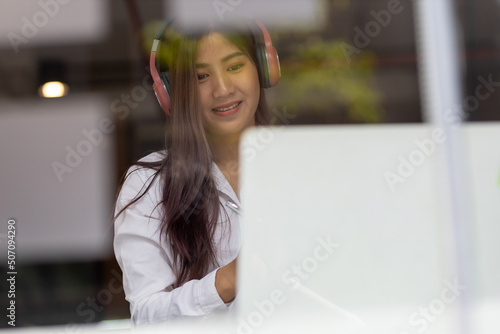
x,y
148,275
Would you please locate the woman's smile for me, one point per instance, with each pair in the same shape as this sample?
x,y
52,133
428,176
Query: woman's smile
x,y
228,109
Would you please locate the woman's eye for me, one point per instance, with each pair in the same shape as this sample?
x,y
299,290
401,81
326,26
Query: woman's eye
x,y
235,67
202,76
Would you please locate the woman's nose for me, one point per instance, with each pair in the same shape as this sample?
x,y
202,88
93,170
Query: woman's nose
x,y
223,86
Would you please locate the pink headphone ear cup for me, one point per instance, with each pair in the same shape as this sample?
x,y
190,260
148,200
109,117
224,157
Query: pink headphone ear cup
x,y
158,85
274,67
162,96
271,59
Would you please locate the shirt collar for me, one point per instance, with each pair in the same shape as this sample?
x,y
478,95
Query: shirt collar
x,y
223,185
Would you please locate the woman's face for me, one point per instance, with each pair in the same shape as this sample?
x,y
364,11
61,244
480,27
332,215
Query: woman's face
x,y
229,87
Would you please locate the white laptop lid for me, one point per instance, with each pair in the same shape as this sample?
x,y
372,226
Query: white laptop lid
x,y
346,226
482,149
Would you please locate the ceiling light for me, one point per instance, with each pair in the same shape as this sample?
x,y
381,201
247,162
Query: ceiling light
x,y
52,81
53,89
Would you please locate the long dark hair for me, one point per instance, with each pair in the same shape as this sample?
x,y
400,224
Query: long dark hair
x,y
190,198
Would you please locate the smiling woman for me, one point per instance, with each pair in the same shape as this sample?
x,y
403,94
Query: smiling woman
x,y
174,240
229,88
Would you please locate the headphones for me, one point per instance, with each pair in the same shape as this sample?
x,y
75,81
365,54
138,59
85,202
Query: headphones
x,y
267,58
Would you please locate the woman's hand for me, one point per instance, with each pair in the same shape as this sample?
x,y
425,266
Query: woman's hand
x,y
225,281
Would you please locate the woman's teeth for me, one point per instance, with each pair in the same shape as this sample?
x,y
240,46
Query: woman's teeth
x,y
228,108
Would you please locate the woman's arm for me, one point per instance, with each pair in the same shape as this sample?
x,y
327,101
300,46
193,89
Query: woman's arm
x,y
225,281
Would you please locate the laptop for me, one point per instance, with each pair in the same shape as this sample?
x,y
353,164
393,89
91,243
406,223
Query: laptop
x,y
348,229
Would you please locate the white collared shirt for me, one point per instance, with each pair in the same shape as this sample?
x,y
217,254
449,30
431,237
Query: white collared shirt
x,y
148,275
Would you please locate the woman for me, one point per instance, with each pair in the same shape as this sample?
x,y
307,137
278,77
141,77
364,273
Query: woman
x,y
174,239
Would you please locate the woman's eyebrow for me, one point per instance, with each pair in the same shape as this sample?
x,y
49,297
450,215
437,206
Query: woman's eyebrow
x,y
223,60
232,55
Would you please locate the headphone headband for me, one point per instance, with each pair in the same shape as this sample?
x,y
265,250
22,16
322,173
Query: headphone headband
x,y
162,92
